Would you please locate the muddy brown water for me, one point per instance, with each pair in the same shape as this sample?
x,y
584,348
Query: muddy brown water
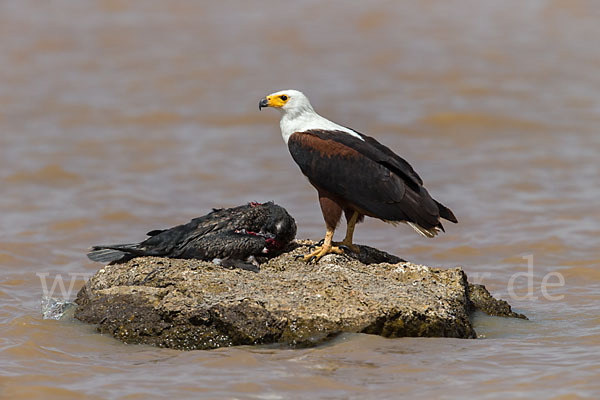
x,y
119,117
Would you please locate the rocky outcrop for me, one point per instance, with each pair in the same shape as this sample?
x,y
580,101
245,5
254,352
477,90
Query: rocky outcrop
x,y
189,304
482,300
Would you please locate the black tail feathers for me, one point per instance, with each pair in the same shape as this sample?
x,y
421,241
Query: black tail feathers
x,y
108,254
446,213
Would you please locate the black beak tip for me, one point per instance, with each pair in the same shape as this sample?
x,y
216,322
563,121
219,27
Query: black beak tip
x,y
263,103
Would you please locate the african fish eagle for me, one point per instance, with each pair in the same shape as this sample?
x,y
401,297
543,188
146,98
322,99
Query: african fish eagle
x,y
353,173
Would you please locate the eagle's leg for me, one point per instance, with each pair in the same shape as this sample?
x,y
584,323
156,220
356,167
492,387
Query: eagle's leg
x,y
326,248
332,212
347,242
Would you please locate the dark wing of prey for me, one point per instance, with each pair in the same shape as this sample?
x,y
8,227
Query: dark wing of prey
x,y
167,242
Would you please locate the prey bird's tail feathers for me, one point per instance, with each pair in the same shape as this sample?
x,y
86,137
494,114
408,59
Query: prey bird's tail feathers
x,y
116,252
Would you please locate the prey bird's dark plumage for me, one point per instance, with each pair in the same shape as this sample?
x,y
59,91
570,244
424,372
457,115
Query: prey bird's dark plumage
x,y
237,233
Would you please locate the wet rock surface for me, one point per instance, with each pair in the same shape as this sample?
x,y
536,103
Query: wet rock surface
x,y
190,304
482,300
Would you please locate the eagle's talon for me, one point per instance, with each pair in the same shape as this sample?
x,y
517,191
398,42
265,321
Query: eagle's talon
x,y
298,256
320,252
349,247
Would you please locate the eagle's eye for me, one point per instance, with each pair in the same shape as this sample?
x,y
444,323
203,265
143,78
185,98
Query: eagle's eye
x,y
283,97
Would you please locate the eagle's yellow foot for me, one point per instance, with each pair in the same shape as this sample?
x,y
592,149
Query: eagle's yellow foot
x,y
348,245
320,252
343,245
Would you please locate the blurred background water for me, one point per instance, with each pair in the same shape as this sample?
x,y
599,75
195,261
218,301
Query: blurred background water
x,y
118,117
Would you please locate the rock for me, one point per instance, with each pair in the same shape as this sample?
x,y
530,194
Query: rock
x,y
190,304
482,300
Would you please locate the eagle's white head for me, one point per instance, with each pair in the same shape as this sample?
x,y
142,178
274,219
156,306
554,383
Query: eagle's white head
x,y
290,102
298,114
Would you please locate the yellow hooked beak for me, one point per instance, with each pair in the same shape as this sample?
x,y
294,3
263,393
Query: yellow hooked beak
x,y
273,101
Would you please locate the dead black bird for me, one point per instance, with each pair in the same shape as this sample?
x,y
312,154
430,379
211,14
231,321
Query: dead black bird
x,y
232,234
